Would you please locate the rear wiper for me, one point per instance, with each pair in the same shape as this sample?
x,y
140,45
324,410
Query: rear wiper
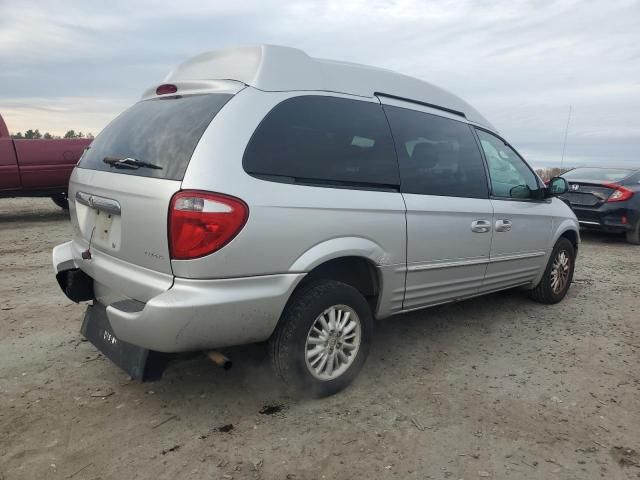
x,y
130,163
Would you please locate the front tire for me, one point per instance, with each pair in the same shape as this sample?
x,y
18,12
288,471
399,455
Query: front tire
x,y
558,275
323,338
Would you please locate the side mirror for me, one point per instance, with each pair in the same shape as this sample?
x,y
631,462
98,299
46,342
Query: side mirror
x,y
557,186
520,191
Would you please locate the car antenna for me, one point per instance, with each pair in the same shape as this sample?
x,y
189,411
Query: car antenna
x,y
564,144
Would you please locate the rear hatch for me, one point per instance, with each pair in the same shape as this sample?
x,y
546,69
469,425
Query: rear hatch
x,y
122,186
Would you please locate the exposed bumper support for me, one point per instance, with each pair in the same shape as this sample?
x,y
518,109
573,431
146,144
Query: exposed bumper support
x,y
76,285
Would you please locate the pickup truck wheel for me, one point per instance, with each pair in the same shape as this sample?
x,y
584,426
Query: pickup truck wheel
x,y
633,236
322,339
61,200
558,275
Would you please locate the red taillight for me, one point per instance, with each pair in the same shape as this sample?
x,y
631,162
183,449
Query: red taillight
x,y
620,194
166,88
201,223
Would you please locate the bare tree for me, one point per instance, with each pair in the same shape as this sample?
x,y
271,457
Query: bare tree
x,y
550,172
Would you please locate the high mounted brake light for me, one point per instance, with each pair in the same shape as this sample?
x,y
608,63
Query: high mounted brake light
x,y
201,223
166,88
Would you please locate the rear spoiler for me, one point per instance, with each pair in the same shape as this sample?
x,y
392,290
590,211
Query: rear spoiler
x,y
192,87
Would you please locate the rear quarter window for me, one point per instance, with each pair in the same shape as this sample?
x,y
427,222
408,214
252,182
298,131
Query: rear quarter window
x,y
326,141
160,131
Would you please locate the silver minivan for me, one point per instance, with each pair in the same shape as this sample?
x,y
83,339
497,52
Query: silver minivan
x,y
261,194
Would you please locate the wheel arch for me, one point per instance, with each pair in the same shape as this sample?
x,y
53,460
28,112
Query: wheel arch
x,y
359,272
563,228
573,236
351,260
336,248
568,228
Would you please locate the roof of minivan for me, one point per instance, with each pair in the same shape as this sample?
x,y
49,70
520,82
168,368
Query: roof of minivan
x,y
276,68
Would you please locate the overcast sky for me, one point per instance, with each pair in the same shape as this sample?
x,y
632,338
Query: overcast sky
x,y
77,64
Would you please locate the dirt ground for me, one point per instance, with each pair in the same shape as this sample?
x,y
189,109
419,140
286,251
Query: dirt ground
x,y
495,387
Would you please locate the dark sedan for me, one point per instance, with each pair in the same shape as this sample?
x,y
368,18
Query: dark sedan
x,y
606,199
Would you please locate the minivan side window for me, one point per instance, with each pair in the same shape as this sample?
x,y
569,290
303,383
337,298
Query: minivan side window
x,y
325,141
510,175
437,155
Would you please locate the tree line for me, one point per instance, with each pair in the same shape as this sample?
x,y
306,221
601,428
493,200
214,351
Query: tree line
x,y
550,172
35,134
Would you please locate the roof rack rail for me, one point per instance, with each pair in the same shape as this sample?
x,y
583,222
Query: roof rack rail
x,y
430,105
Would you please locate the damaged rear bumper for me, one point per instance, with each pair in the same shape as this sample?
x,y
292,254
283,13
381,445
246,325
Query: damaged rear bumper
x,y
204,314
188,315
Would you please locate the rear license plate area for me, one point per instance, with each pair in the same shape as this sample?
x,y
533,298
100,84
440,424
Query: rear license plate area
x,y
583,199
103,224
105,230
101,228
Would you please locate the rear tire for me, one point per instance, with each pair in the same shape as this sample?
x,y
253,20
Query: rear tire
x,y
558,275
633,236
301,333
61,200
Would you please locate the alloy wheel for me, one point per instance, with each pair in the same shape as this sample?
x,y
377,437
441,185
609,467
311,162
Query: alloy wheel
x,y
333,342
560,271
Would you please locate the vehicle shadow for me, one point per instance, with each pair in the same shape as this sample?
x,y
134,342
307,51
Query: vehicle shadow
x,y
403,346
596,236
31,216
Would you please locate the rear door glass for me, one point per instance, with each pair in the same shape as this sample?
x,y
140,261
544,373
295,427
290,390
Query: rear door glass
x,y
161,131
438,156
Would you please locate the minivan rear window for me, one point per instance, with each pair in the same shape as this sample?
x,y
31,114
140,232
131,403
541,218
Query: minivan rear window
x,y
162,132
324,141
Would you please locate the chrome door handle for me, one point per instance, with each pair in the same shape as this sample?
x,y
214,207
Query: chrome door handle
x,y
481,226
503,225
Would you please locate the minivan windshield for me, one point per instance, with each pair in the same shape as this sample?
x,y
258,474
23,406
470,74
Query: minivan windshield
x,y
599,174
161,133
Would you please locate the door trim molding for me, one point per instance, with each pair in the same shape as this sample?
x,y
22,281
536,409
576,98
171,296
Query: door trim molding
x,y
457,263
474,261
517,256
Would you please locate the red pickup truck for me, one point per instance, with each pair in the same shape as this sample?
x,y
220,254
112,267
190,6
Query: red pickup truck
x,y
37,168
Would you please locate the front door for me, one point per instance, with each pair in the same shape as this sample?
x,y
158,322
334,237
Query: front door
x,y
449,214
522,218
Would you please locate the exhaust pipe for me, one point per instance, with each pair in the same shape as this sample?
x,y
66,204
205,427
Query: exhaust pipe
x,y
219,359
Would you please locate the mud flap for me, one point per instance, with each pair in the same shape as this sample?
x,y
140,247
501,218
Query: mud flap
x,y
141,364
